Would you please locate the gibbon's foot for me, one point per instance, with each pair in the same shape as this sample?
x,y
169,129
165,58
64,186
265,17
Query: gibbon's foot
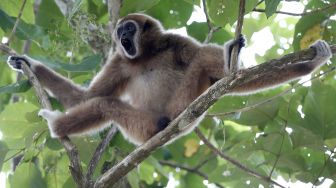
x,y
163,123
241,43
323,51
50,116
15,62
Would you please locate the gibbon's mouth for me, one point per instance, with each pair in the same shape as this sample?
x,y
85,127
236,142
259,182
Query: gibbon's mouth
x,y
128,46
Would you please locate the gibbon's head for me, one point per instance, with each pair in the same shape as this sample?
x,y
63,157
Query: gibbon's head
x,y
133,33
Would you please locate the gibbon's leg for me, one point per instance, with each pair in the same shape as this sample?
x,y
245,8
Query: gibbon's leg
x,y
96,113
289,72
63,89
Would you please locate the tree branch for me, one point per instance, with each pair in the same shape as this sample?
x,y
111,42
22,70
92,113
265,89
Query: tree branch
x,y
333,5
75,167
211,28
234,54
196,109
98,153
17,21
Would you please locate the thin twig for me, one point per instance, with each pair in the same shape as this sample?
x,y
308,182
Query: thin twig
x,y
17,21
210,34
322,170
206,14
188,169
98,153
234,54
282,141
233,161
211,28
333,5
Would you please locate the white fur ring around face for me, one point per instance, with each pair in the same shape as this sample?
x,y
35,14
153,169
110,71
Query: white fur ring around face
x,y
50,116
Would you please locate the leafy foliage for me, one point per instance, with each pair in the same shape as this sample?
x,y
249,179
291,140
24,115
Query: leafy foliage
x,y
292,136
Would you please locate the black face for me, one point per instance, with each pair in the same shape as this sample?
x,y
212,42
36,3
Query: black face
x,y
126,33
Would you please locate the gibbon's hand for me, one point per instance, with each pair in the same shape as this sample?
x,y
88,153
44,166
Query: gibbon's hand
x,y
15,62
323,52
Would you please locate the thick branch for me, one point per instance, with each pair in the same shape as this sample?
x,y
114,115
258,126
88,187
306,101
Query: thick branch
x,y
195,110
75,167
234,54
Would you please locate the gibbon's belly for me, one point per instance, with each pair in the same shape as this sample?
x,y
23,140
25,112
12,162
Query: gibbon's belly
x,y
152,90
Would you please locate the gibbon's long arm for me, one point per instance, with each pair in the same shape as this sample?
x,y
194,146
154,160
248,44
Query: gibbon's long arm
x,y
62,89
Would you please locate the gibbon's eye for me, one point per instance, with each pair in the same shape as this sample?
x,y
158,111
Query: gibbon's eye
x,y
119,31
130,27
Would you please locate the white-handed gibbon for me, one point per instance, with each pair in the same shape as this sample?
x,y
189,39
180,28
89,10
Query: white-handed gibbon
x,y
153,76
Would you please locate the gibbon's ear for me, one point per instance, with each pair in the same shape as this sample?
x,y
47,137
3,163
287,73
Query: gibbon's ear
x,y
147,25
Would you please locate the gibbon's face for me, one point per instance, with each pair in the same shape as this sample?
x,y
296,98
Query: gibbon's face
x,y
127,34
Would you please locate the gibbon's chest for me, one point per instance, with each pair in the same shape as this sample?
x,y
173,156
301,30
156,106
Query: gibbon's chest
x,y
152,87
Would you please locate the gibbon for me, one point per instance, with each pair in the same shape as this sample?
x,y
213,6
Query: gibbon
x,y
153,76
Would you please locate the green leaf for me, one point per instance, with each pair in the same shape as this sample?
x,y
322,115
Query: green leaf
x,y
310,20
319,110
23,30
194,2
12,120
271,7
49,16
133,179
97,8
88,64
3,152
172,13
224,12
145,172
18,87
199,31
130,6
27,175
194,181
12,8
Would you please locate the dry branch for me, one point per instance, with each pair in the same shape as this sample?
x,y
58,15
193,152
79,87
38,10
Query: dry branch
x,y
196,109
